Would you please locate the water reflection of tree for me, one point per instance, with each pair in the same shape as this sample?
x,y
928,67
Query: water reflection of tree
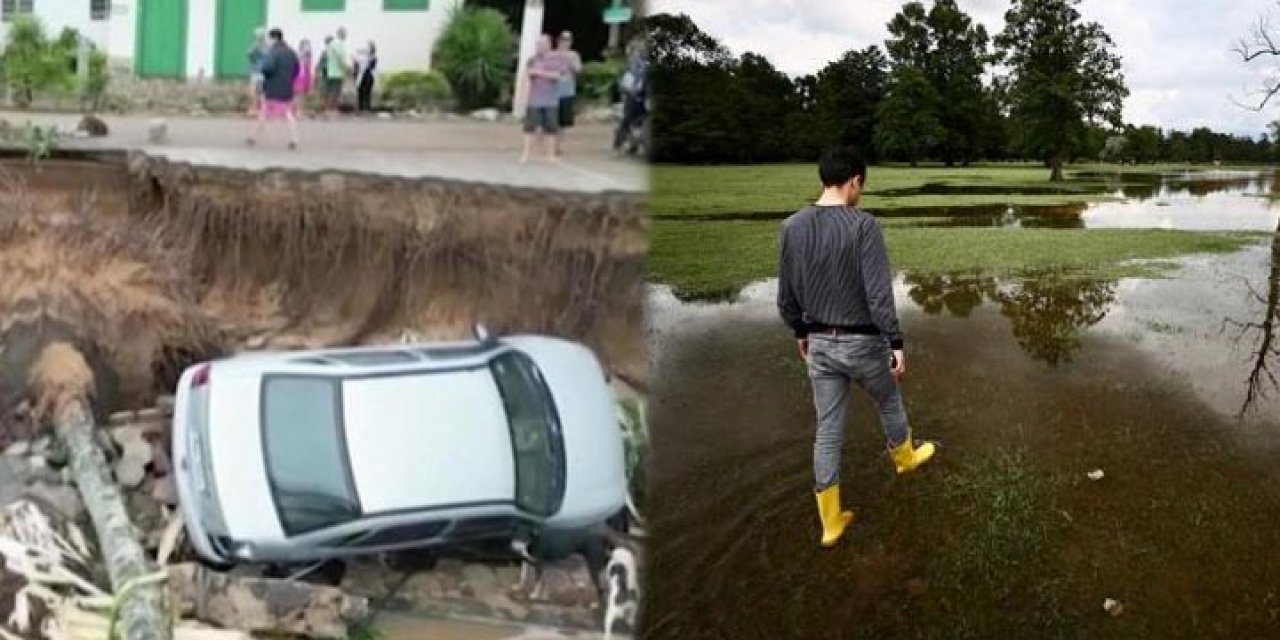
x,y
1267,347
1047,314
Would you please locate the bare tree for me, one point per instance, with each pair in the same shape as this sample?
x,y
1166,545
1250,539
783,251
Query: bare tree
x,y
1260,42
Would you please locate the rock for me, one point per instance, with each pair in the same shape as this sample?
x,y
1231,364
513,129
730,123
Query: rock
x,y
488,115
264,605
19,448
1096,475
165,405
123,435
92,125
1112,607
413,113
165,491
131,468
383,115
61,497
158,131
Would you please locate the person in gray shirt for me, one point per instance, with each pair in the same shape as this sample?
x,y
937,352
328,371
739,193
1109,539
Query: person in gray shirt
x,y
542,115
835,291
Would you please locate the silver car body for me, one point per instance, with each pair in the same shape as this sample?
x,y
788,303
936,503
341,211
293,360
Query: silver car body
x,y
292,456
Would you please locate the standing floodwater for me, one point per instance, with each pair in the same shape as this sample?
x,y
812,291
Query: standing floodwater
x,y
1031,384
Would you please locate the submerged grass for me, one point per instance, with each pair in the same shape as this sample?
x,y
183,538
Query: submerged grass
x,y
716,259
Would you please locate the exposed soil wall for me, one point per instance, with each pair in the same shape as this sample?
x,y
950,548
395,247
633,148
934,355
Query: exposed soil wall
x,y
196,261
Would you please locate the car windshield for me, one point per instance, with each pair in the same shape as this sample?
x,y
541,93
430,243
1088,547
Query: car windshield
x,y
535,433
307,464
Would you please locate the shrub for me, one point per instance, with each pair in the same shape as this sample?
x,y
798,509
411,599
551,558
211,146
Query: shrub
x,y
95,86
32,63
406,90
474,53
598,79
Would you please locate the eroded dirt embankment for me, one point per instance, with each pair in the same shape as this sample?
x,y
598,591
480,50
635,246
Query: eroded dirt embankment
x,y
200,261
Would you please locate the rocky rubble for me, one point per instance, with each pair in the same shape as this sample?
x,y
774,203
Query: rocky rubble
x,y
470,584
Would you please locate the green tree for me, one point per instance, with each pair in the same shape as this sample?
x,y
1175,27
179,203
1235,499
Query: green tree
x,y
952,53
32,63
1063,74
846,95
1177,149
1144,143
908,125
474,53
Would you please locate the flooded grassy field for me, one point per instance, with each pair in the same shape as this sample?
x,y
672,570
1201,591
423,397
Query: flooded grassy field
x,y
1031,383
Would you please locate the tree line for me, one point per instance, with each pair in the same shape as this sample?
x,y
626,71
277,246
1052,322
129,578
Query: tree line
x,y
1048,88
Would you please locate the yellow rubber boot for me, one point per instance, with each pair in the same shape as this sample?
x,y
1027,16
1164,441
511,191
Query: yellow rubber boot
x,y
907,457
834,521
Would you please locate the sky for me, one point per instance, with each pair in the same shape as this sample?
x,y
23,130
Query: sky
x,y
1177,54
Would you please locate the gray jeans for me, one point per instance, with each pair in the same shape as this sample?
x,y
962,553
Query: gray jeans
x,y
834,363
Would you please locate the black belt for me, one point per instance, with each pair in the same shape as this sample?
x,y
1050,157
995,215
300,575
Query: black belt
x,y
849,330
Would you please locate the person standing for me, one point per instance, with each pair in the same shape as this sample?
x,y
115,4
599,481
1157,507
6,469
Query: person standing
x,y
835,291
542,117
568,83
279,72
633,85
337,69
258,49
368,65
302,84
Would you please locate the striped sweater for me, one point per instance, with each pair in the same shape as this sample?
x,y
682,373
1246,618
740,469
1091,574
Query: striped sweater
x,y
833,273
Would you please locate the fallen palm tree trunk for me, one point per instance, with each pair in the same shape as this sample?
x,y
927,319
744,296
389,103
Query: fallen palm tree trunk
x,y
63,383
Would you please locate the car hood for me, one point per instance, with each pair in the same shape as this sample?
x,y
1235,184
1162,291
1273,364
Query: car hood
x,y
595,464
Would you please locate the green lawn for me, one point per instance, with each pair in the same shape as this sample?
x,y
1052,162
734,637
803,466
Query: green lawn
x,y
705,244
716,259
726,190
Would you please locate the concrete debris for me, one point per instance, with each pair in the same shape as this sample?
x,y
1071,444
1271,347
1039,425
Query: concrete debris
x,y
19,448
131,468
60,497
165,491
1113,607
263,605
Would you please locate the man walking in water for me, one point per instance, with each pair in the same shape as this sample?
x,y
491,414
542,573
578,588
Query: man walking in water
x,y
835,291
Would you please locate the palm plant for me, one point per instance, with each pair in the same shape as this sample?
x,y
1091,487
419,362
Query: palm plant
x,y
475,53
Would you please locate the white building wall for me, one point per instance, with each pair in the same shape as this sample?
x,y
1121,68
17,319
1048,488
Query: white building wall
x,y
57,15
404,38
122,31
202,25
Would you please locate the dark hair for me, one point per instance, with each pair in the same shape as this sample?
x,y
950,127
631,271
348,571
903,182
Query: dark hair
x,y
840,165
276,34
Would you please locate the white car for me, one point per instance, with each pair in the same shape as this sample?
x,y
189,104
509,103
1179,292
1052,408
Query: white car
x,y
288,457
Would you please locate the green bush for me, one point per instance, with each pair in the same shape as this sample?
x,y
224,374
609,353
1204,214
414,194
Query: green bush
x,y
95,86
32,63
406,90
475,53
598,77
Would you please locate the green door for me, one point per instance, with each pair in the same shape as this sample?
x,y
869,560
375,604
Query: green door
x,y
161,50
237,20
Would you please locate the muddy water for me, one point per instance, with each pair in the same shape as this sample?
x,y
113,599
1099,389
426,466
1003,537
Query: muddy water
x,y
1030,384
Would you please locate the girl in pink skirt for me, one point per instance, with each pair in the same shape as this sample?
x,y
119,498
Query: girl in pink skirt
x,y
302,83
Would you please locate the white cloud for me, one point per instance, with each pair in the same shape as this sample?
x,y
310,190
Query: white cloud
x,y
1177,53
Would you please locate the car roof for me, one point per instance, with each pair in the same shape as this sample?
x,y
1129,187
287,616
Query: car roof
x,y
425,440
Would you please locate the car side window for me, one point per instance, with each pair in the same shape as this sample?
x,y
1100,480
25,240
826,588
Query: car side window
x,y
402,534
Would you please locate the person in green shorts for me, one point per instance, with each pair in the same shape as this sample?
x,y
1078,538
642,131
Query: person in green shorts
x,y
336,74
